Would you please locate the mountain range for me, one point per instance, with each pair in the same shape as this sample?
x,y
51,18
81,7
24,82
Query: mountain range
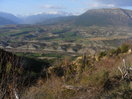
x,y
103,17
99,17
6,18
42,17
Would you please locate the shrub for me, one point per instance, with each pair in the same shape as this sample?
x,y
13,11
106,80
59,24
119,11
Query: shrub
x,y
112,52
124,48
97,79
77,47
118,50
102,54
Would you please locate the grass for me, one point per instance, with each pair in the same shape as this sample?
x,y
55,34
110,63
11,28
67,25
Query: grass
x,y
47,90
96,79
100,78
37,55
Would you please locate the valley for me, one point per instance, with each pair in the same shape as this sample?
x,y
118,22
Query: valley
x,y
62,38
62,56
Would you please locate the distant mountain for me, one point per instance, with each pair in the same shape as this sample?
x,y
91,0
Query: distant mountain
x,y
104,17
42,17
99,17
4,21
6,18
59,20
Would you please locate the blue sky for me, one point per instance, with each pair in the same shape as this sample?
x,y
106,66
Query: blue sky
x,y
29,7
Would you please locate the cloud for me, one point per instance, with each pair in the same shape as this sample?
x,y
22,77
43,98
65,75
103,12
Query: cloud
x,y
100,5
107,4
47,12
119,3
61,13
47,6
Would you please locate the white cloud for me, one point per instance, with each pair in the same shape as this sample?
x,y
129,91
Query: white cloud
x,y
120,3
100,5
47,6
61,13
46,12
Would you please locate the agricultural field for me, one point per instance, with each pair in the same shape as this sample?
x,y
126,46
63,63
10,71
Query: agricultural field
x,y
62,38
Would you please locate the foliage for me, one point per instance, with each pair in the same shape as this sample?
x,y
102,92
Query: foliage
x,y
84,73
102,54
124,48
96,79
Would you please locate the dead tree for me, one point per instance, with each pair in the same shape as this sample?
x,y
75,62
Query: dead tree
x,y
125,70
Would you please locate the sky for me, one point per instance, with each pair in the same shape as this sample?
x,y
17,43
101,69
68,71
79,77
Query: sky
x,y
31,7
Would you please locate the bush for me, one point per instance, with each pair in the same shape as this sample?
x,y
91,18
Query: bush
x,y
97,79
102,54
77,47
124,48
112,52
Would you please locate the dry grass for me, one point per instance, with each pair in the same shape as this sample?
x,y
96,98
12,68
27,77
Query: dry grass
x,y
100,80
50,89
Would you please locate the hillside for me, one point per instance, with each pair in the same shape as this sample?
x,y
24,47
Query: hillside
x,y
45,18
6,18
4,21
18,72
105,17
100,17
87,77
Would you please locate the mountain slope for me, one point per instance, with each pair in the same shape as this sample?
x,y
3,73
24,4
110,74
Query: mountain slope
x,y
41,18
59,20
99,17
103,17
10,17
6,18
4,21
